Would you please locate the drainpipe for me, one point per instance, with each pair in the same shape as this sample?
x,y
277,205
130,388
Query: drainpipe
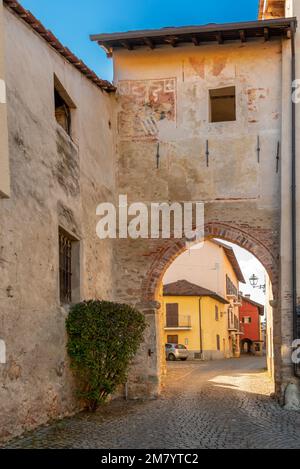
x,y
294,202
200,329
264,9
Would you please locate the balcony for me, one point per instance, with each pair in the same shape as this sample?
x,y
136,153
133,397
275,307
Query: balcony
x,y
238,302
234,324
231,290
182,323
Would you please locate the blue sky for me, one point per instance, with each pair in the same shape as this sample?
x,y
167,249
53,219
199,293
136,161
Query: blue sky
x,y
72,21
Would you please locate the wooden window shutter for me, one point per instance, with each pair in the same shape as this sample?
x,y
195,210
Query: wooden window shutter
x,y
172,315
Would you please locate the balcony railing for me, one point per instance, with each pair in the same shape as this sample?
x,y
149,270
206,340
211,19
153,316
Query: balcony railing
x,y
182,322
233,323
231,289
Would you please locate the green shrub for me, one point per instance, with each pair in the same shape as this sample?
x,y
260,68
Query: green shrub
x,y
103,339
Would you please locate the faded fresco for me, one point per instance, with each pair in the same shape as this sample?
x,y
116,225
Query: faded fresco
x,y
143,104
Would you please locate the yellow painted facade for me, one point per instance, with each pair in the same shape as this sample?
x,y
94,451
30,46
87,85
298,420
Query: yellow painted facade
x,y
191,308
208,267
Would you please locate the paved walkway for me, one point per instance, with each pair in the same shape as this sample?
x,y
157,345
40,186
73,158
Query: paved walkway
x,y
223,404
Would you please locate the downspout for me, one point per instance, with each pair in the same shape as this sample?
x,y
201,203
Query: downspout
x,y
264,9
294,201
200,330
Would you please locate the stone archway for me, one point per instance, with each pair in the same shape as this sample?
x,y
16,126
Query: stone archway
x,y
173,248
148,381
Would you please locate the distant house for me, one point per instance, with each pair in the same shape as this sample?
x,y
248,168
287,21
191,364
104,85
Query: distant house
x,y
251,317
215,267
197,318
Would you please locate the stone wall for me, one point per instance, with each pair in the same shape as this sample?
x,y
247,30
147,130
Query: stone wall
x,y
285,305
56,181
4,166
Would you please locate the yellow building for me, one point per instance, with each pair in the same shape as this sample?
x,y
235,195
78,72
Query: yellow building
x,y
197,318
215,267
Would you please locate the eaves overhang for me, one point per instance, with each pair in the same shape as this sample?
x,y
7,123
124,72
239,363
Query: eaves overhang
x,y
197,35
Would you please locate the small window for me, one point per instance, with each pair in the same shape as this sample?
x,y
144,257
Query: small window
x,y
222,104
173,339
63,106
247,320
62,113
69,275
218,343
216,313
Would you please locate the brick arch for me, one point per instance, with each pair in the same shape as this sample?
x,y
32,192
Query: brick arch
x,y
171,249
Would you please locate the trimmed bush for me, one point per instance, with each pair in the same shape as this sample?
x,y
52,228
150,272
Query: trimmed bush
x,y
103,339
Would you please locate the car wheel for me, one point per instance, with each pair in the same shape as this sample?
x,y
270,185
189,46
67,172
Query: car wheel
x,y
171,357
183,359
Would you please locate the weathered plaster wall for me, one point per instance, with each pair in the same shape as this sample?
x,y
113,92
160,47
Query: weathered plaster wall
x,y
206,266
4,166
163,97
286,306
55,181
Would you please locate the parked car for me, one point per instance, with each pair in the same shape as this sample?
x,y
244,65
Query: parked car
x,y
176,352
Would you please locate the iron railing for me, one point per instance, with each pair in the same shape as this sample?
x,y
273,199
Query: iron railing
x,y
231,288
183,321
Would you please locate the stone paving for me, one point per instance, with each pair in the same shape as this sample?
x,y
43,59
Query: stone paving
x,y
223,404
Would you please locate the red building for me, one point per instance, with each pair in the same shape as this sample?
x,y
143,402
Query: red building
x,y
251,316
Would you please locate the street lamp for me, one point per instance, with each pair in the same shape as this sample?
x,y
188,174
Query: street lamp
x,y
254,283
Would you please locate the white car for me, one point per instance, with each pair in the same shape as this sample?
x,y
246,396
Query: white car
x,y
176,352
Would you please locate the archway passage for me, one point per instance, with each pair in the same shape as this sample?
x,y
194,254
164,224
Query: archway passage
x,y
173,248
261,247
246,346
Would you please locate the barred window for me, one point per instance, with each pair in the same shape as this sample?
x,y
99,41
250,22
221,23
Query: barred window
x,y
65,267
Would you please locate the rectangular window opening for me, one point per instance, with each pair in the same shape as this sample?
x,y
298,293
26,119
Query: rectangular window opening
x,y
216,313
69,268
172,339
223,104
63,106
172,315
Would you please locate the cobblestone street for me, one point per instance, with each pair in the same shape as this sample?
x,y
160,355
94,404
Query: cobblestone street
x,y
223,404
